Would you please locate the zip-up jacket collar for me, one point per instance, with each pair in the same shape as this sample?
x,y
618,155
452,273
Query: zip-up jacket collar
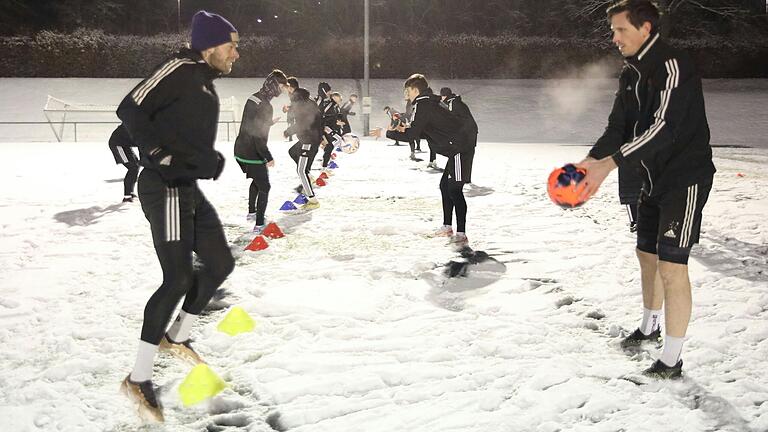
x,y
646,54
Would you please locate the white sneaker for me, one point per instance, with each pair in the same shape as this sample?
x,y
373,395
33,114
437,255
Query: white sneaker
x,y
251,217
459,240
258,229
443,231
432,164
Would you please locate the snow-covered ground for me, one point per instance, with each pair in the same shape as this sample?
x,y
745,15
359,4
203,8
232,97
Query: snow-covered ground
x,y
358,327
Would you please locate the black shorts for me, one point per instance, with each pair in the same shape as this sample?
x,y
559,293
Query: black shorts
x,y
459,167
255,171
668,225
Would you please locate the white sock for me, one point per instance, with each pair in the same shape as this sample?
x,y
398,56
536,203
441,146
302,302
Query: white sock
x,y
651,321
179,331
145,360
673,346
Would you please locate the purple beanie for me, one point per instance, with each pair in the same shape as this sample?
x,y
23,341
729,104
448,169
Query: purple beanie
x,y
211,30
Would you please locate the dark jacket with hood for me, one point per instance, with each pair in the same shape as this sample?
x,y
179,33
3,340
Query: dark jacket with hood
x,y
309,121
175,112
458,107
658,126
442,129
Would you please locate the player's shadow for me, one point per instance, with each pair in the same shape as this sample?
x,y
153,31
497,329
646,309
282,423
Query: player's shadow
x,y
86,216
117,180
461,277
732,257
474,190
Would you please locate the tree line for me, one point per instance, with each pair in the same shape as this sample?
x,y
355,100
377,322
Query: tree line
x,y
327,19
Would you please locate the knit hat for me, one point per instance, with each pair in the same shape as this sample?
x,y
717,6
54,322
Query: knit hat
x,y
210,30
446,91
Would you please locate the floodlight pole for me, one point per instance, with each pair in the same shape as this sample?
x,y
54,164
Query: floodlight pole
x,y
178,16
366,71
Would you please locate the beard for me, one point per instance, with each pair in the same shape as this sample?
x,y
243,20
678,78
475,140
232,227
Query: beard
x,y
220,62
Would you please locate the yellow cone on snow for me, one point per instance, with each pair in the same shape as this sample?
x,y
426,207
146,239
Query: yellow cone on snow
x,y
202,383
236,321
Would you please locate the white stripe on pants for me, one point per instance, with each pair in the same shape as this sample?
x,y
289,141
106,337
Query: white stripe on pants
x,y
172,230
690,214
301,170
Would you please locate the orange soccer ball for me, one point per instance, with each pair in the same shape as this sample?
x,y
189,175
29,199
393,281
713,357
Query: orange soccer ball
x,y
564,186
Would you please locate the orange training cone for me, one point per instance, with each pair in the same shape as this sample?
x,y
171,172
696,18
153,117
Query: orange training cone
x,y
320,182
273,231
257,244
323,176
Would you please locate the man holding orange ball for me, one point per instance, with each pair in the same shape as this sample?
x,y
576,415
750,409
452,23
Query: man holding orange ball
x,y
670,146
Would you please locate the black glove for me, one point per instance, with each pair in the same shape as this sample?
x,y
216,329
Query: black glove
x,y
219,165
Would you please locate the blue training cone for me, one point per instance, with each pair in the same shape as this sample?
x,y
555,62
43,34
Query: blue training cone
x,y
333,165
288,206
338,149
301,199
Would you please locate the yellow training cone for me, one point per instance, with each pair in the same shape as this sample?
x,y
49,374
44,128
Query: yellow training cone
x,y
236,321
201,384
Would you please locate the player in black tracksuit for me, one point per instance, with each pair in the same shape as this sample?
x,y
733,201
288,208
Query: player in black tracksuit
x,y
173,118
309,129
346,112
458,107
623,126
120,144
416,144
670,143
293,84
447,135
331,128
251,150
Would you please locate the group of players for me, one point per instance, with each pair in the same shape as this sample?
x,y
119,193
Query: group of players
x,y
657,130
317,123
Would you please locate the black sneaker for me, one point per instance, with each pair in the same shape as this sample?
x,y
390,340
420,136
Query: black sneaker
x,y
637,337
143,394
129,198
659,370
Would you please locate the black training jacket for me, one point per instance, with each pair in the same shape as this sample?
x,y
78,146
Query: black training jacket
x,y
175,112
669,141
331,113
441,128
251,142
458,107
309,121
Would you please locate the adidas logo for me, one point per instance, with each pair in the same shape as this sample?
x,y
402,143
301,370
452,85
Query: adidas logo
x,y
670,234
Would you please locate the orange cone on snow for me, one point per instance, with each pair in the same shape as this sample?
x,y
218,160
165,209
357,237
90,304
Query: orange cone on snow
x,y
323,176
273,231
259,243
320,182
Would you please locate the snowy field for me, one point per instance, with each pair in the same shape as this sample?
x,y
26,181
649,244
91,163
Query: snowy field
x,y
358,326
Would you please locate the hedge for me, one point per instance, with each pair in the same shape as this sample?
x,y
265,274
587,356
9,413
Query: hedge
x,y
92,53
